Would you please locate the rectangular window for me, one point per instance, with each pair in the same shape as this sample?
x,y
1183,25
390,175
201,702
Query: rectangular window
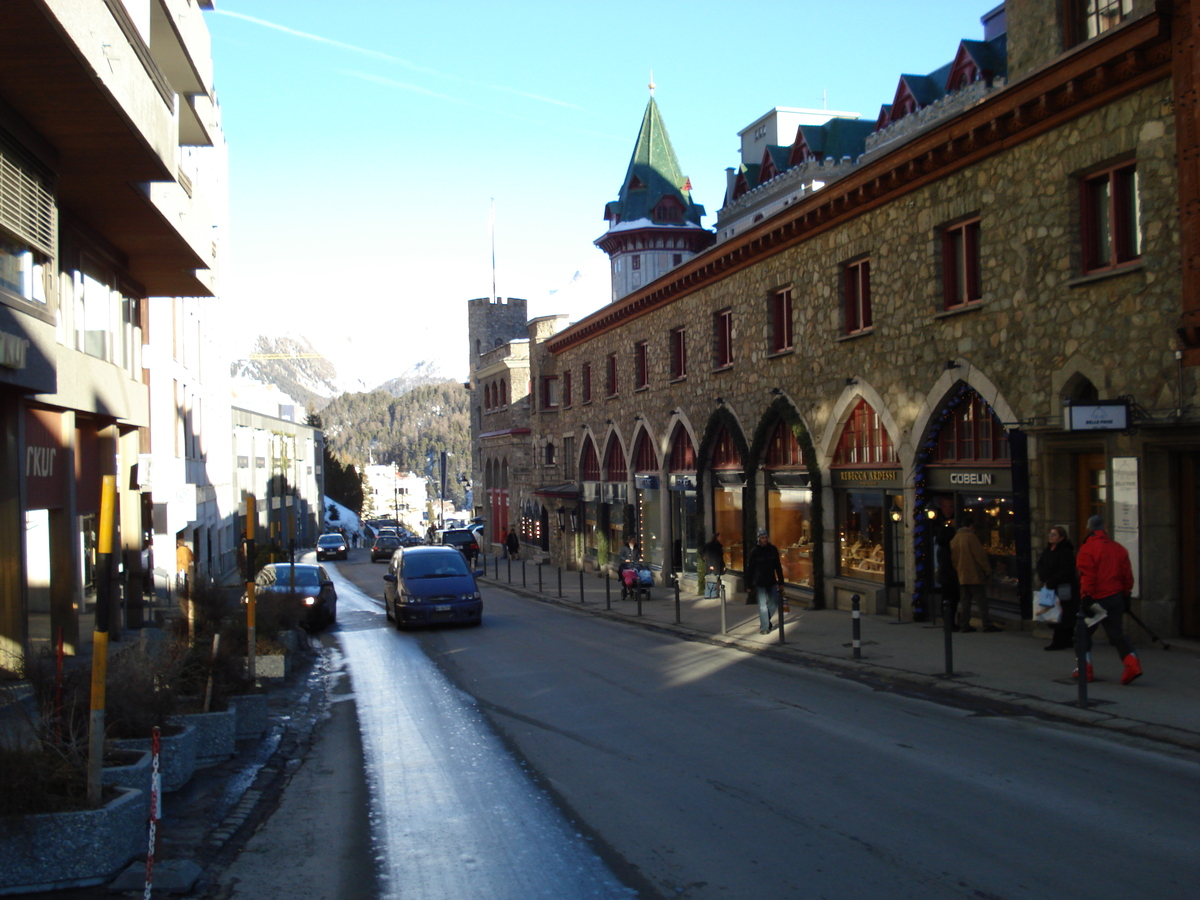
x,y
857,290
961,283
636,261
20,271
550,392
723,338
611,381
1110,218
780,312
1094,17
587,382
678,339
566,389
568,457
677,259
641,367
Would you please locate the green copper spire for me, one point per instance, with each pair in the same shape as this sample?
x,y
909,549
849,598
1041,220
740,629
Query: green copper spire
x,y
655,187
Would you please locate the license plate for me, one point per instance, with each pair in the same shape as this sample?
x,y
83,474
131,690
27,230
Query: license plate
x,y
441,609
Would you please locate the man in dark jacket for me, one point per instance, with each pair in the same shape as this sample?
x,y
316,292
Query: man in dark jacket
x,y
1105,579
764,574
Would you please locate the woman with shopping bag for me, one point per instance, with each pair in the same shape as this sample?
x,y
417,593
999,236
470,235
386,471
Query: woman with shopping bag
x,y
1056,571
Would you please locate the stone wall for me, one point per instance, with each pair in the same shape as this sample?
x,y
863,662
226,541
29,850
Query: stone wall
x,y
1039,321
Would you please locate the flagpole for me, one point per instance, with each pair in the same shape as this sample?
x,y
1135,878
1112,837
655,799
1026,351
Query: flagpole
x,y
492,232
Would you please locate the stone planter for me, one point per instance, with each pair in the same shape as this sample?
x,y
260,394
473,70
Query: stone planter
x,y
273,666
214,735
135,774
177,764
75,849
251,714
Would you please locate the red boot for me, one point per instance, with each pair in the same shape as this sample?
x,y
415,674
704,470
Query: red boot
x,y
1090,674
1133,669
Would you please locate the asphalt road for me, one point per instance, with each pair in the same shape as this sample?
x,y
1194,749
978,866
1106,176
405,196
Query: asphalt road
x,y
700,771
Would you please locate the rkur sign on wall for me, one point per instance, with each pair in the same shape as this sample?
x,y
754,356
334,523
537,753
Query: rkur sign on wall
x,y
46,461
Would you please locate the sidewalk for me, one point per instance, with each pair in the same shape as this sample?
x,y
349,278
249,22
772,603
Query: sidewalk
x,y
1007,669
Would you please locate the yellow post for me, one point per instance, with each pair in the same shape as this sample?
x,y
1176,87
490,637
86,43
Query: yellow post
x,y
251,637
104,555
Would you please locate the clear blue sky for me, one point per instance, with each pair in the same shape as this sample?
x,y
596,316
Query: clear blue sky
x,y
367,139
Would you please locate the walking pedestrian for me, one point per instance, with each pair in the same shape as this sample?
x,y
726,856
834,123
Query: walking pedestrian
x,y
1105,581
714,565
764,575
1056,570
973,568
512,544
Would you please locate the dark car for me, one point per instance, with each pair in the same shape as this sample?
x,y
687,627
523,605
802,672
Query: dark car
x,y
429,586
465,540
306,587
383,548
332,546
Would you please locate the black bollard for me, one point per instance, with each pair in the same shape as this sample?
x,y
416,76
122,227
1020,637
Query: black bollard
x,y
522,572
510,570
948,628
560,582
721,588
678,621
581,584
539,568
856,626
607,593
637,590
779,601
1081,635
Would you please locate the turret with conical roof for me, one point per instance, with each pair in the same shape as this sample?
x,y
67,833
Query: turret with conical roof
x,y
654,225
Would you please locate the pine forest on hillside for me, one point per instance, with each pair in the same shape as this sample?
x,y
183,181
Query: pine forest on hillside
x,y
410,431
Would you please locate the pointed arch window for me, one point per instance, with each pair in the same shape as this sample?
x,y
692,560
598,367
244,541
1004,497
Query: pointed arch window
x,y
972,434
589,463
964,71
724,454
615,469
683,454
767,169
645,460
864,440
783,450
668,210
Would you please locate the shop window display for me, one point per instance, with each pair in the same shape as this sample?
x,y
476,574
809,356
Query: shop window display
x,y
727,516
789,517
995,526
860,535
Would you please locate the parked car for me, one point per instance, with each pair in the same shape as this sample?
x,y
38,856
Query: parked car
x,y
332,546
309,587
429,586
383,548
465,540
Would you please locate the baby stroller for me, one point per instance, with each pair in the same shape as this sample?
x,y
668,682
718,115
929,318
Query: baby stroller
x,y
636,578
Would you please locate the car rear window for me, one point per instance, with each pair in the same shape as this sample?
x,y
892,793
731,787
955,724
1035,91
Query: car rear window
x,y
305,577
433,565
329,540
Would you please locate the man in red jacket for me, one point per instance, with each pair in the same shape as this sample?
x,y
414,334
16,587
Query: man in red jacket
x,y
1105,579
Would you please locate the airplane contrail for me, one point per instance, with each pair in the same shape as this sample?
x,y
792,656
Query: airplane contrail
x,y
388,57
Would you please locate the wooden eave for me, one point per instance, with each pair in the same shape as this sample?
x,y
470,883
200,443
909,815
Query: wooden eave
x,y
1127,59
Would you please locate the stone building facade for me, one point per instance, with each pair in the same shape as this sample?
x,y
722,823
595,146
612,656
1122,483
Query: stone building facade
x,y
991,319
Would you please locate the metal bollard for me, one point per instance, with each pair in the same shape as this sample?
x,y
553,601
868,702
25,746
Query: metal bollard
x,y
1081,634
539,568
678,621
724,627
522,572
607,593
638,592
948,628
510,570
581,584
779,601
560,582
856,626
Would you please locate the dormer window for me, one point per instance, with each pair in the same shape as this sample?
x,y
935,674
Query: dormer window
x,y
964,71
767,170
668,210
635,184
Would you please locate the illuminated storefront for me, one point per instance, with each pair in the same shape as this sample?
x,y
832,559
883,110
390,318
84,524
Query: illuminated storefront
x,y
648,496
728,498
681,483
789,505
